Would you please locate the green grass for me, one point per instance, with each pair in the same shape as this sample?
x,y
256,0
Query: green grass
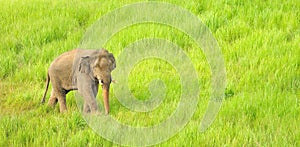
x,y
260,41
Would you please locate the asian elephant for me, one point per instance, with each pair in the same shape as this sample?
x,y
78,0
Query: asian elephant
x,y
81,70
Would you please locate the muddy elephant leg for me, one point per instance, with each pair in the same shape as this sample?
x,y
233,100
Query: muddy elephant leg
x,y
53,99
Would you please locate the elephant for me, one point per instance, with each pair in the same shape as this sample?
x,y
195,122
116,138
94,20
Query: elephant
x,y
81,70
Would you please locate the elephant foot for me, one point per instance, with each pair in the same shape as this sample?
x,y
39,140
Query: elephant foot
x,y
63,110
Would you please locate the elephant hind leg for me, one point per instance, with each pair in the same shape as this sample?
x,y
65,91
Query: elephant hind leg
x,y
53,99
58,95
62,102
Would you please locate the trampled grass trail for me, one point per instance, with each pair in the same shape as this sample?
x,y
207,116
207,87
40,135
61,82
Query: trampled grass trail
x,y
260,42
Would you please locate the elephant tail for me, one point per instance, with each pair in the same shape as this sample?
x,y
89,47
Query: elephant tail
x,y
47,85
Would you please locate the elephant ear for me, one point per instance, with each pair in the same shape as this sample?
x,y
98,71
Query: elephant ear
x,y
113,60
84,66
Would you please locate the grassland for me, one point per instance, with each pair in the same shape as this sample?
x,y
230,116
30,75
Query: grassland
x,y
260,41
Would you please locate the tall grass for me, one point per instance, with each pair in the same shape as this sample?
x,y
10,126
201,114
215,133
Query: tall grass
x,y
260,45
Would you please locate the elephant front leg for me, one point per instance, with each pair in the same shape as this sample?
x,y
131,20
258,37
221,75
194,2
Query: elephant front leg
x,y
93,106
86,108
90,103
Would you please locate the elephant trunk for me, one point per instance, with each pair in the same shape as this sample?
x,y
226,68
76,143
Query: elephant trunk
x,y
105,94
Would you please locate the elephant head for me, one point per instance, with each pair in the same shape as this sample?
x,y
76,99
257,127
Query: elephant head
x,y
97,66
103,66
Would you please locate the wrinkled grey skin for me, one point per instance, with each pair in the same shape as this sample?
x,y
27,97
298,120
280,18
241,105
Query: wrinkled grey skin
x,y
81,70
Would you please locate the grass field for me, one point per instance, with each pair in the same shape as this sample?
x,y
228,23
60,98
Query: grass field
x,y
260,41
